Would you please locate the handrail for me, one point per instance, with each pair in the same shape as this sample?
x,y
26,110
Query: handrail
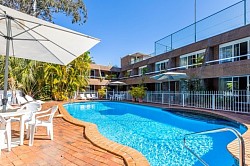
x,y
234,131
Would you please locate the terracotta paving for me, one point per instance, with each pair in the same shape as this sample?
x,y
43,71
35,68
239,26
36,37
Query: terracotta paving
x,y
69,147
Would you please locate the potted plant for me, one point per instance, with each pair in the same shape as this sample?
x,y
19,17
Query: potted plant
x,y
102,92
134,93
141,93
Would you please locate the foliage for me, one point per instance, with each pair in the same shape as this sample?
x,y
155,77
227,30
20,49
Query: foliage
x,y
126,74
193,85
133,92
70,78
44,80
75,9
102,92
138,92
144,71
141,91
110,77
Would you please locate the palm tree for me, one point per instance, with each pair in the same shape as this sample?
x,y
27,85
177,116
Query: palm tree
x,y
64,80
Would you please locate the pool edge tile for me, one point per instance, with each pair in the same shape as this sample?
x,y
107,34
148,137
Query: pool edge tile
x,y
131,156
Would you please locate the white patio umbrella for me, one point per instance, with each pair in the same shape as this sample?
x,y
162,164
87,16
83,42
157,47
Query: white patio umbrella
x,y
169,76
28,37
117,83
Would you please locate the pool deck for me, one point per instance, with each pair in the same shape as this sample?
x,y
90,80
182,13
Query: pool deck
x,y
69,147
79,143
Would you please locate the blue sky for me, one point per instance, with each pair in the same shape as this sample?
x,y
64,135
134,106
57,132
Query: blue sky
x,y
129,26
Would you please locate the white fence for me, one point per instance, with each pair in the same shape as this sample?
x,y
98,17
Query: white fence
x,y
237,101
233,101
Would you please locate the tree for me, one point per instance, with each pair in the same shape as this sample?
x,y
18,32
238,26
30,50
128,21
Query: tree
x,y
45,9
64,80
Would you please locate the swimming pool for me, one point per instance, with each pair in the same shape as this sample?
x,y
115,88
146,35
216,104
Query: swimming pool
x,y
158,134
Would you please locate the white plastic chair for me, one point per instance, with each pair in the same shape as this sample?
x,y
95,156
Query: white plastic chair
x,y
82,97
111,97
21,100
93,96
44,123
33,108
89,97
116,96
31,99
120,97
5,133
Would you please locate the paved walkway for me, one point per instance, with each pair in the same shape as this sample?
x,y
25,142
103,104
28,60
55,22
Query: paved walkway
x,y
69,147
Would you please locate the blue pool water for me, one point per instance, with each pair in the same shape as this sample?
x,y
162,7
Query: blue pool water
x,y
158,134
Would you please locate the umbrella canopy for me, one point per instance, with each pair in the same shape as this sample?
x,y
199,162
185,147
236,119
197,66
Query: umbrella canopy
x,y
28,37
36,39
170,76
117,83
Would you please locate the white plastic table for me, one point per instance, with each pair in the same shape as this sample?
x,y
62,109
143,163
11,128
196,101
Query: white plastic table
x,y
17,114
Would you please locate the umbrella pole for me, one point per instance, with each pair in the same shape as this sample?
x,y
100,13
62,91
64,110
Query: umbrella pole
x,y
169,93
5,99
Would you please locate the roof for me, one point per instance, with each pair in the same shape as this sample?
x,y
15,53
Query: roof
x,y
105,68
98,82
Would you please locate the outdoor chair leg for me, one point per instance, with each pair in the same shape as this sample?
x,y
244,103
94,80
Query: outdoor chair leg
x,y
27,131
51,132
32,134
48,131
2,137
8,136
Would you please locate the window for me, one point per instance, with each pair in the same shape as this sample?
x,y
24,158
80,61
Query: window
x,y
183,62
229,84
92,74
234,51
162,65
226,52
142,70
192,60
158,86
102,74
129,73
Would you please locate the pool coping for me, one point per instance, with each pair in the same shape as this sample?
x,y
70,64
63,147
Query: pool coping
x,y
130,156
134,157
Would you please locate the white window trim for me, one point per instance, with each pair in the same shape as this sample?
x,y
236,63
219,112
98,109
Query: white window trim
x,y
143,67
192,53
164,61
235,42
159,63
232,43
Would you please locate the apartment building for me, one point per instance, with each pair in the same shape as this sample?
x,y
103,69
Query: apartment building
x,y
221,62
101,75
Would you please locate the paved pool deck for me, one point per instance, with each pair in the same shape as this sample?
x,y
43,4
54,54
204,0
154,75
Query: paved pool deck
x,y
69,147
79,143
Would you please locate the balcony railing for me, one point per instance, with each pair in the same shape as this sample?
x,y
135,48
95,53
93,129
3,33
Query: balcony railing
x,y
213,62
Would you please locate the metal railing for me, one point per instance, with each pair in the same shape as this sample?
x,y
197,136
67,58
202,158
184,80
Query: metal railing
x,y
234,101
237,101
234,131
229,18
